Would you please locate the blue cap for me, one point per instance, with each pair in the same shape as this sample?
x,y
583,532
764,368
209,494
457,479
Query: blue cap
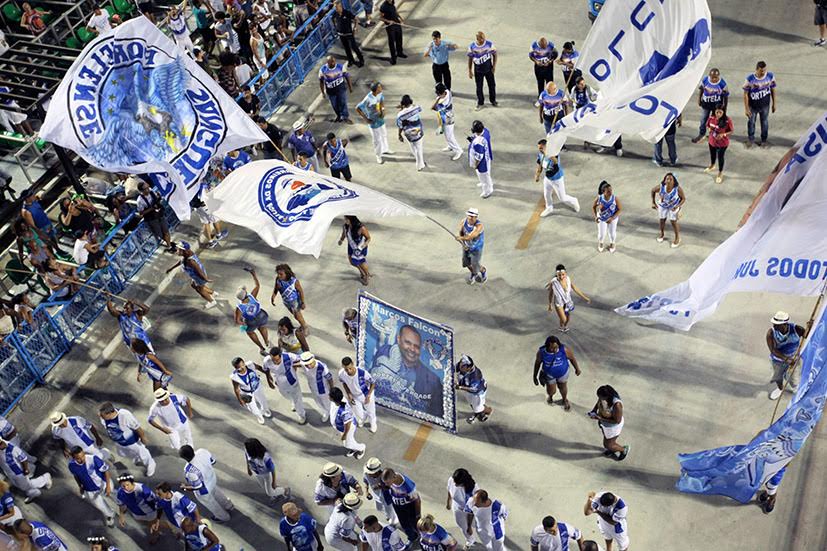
x,y
184,245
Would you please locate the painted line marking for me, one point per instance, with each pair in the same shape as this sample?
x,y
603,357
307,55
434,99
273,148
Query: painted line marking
x,y
531,227
417,442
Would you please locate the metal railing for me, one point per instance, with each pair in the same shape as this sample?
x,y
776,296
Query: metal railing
x,y
28,353
287,75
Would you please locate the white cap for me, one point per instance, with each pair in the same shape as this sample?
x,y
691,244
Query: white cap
x,y
473,211
780,318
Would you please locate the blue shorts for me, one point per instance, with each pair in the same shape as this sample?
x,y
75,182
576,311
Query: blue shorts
x,y
260,320
198,281
293,306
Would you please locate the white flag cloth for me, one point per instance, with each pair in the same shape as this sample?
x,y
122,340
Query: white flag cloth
x,y
782,248
134,102
646,59
292,207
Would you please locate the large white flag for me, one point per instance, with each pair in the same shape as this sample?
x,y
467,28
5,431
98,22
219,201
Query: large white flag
x,y
782,247
646,59
292,207
134,102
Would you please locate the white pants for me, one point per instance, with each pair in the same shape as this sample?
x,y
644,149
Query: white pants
x,y
448,130
365,413
336,542
184,41
603,228
384,507
351,443
137,452
294,394
668,214
486,181
461,518
323,402
30,485
216,503
98,500
180,436
608,533
488,541
380,140
476,401
258,406
103,453
417,148
558,186
265,481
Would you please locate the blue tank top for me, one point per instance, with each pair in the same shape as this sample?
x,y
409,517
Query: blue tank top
x,y
338,156
288,290
788,343
192,271
606,208
131,327
668,199
476,243
249,310
41,220
555,364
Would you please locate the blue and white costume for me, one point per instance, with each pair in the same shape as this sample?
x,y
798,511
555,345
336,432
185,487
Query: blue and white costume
x,y
438,540
90,475
618,511
357,249
197,541
231,163
319,381
668,202
153,370
252,313
188,267
445,109
381,495
180,31
173,416
176,508
7,507
289,294
389,538
323,492
340,417
132,327
475,388
200,475
285,375
263,469
786,344
564,540
250,387
606,208
554,182
78,432
123,431
301,535
490,523
11,463
342,524
479,158
459,498
410,121
141,502
338,155
44,539
553,106
359,384
555,365
370,107
6,431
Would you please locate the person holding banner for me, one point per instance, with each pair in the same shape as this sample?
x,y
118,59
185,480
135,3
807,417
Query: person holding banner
x,y
667,199
767,496
409,123
472,237
783,340
568,58
358,238
292,295
553,105
606,209
345,423
553,181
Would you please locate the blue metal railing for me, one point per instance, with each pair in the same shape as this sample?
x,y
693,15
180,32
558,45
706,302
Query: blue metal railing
x,y
27,354
286,76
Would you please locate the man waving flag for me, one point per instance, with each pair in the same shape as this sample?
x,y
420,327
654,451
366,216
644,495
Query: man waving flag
x,y
646,59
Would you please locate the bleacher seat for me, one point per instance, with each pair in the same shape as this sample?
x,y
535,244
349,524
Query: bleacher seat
x,y
12,12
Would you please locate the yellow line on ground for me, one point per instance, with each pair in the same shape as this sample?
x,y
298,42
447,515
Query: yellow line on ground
x,y
417,443
531,227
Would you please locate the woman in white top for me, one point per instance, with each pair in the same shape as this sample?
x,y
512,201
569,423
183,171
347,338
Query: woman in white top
x,y
559,296
291,339
461,486
260,464
608,412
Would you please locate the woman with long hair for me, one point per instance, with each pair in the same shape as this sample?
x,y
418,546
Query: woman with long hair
x,y
251,316
559,296
292,294
606,209
608,412
667,199
358,237
461,486
260,464
720,127
291,339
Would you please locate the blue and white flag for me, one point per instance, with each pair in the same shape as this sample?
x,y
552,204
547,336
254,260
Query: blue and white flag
x,y
410,358
739,471
291,207
782,248
134,102
645,59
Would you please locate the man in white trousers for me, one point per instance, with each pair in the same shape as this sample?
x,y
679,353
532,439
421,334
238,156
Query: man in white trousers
x,y
611,513
345,423
76,431
480,157
377,490
14,462
319,380
359,387
283,368
372,111
488,518
248,388
130,439
200,479
444,106
171,414
92,476
8,432
553,181
409,123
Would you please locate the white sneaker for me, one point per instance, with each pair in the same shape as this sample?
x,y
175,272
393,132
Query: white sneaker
x,y
600,247
212,304
675,245
388,152
301,419
546,212
110,521
373,427
661,238
260,420
325,417
775,393
457,155
485,195
612,247
446,148
577,207
420,169
268,414
619,152
150,469
380,160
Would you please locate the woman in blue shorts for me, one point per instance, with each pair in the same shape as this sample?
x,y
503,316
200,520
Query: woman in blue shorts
x,y
358,238
251,316
292,295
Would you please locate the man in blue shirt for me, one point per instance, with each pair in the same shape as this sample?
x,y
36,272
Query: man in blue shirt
x,y
406,501
543,54
335,156
235,159
759,98
482,62
334,82
302,141
712,92
94,484
438,51
299,529
40,535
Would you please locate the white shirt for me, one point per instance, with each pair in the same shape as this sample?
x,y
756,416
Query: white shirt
x,y
126,421
278,371
459,497
100,22
352,382
200,470
5,427
342,523
168,415
546,542
483,520
374,540
70,437
79,252
617,511
243,73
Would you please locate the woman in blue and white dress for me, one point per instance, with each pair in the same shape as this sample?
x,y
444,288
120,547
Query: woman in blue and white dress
x,y
606,209
151,364
260,464
251,316
358,238
667,199
292,295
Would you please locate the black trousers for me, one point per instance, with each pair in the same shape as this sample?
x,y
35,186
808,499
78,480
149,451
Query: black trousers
x,y
442,73
395,41
351,47
717,153
407,520
543,75
341,172
492,87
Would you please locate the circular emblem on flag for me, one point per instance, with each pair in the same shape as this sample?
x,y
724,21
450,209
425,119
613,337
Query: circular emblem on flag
x,y
287,197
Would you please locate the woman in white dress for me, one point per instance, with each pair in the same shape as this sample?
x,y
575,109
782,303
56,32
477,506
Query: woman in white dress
x,y
559,296
461,487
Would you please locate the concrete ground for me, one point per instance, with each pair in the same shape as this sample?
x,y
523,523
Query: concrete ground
x,y
682,391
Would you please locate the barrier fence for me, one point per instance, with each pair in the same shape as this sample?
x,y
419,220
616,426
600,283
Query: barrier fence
x,y
27,354
287,75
